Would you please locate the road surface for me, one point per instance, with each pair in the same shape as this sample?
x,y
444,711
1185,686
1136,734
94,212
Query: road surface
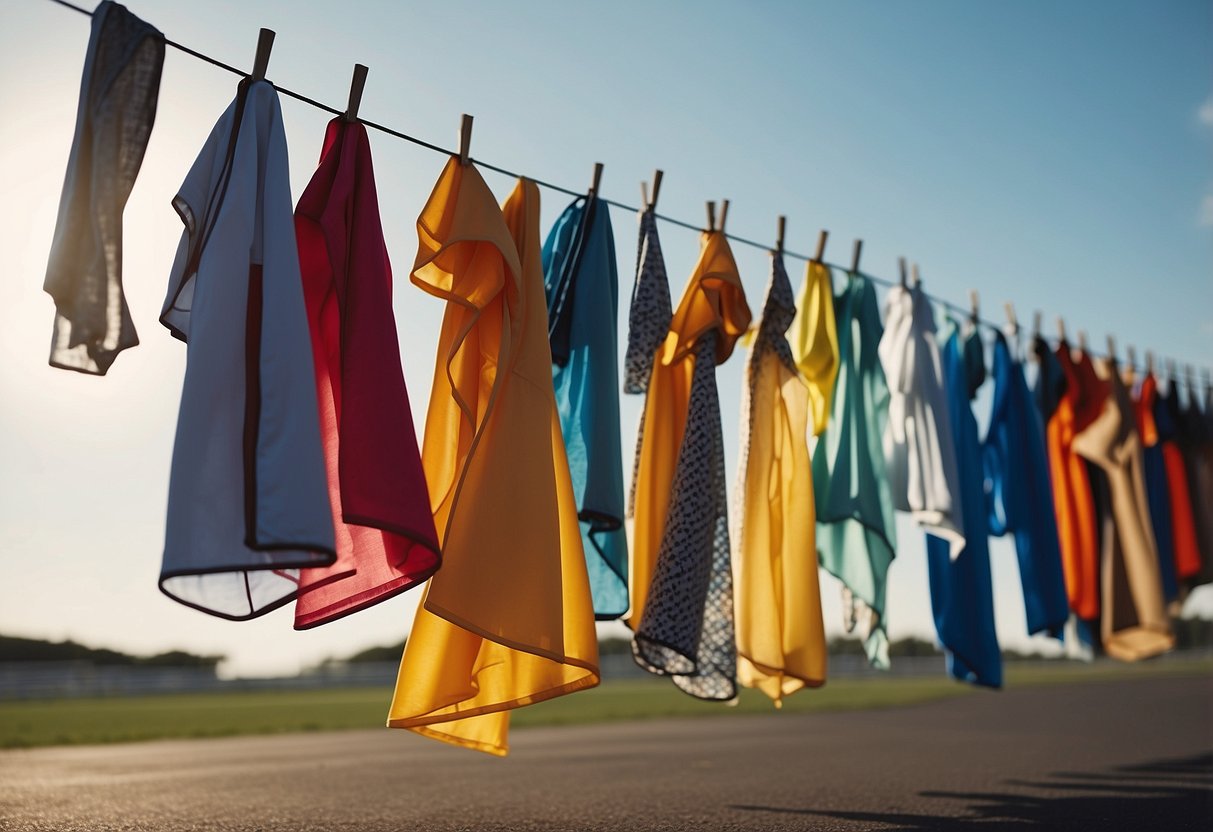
x,y
1125,755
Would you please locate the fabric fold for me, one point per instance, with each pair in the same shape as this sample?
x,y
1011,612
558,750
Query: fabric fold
x,y
781,644
581,283
919,451
682,579
1019,497
248,499
386,541
962,592
856,535
508,620
114,118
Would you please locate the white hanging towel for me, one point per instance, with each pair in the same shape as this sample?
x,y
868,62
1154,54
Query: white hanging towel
x,y
248,502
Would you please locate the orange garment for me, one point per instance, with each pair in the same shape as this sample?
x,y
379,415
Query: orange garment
x,y
1078,407
508,620
713,299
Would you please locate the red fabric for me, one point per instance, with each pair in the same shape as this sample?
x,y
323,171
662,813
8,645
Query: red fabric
x,y
386,541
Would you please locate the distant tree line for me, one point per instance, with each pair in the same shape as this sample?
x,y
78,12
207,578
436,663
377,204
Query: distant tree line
x,y
1189,633
14,649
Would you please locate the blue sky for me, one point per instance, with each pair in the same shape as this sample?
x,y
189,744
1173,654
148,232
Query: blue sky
x,y
1050,154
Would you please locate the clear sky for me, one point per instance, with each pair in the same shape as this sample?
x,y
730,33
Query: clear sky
x,y
1057,155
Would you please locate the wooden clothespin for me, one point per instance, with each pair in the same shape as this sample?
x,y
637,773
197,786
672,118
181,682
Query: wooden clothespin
x,y
356,85
711,216
465,139
724,214
595,180
1131,356
1011,319
822,237
1036,319
915,275
265,43
1112,348
1172,373
856,251
651,204
1082,340
974,307
901,269
1150,362
781,226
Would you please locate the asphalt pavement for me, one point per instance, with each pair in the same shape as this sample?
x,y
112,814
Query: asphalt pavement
x,y
1105,756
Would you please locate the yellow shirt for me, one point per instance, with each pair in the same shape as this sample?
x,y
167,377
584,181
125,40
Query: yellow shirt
x,y
508,619
814,340
780,636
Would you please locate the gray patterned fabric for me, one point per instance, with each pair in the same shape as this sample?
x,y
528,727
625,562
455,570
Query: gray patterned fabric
x,y
648,322
687,628
113,122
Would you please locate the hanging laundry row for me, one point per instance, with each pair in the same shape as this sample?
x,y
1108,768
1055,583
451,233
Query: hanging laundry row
x,y
297,476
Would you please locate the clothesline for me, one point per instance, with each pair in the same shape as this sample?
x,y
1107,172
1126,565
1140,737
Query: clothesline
x,y
965,313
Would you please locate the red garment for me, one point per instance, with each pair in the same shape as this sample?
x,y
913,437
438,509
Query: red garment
x,y
386,541
1081,403
1183,527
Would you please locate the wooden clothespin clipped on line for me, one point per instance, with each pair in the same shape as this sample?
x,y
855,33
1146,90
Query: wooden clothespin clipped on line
x,y
1082,340
1036,320
781,227
724,214
265,43
465,139
711,216
597,178
1012,321
822,237
915,275
651,205
856,251
356,85
1150,362
1172,373
1131,356
1112,348
901,271
974,307
1061,329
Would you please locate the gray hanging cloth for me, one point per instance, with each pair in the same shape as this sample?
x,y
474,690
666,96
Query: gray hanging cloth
x,y
113,122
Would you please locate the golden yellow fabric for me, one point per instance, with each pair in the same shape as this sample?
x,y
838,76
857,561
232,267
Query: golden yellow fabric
x,y
781,644
713,299
814,340
508,620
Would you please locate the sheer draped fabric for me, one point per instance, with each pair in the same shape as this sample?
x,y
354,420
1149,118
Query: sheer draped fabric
x,y
508,620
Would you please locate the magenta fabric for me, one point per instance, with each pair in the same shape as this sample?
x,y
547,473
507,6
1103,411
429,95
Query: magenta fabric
x,y
386,540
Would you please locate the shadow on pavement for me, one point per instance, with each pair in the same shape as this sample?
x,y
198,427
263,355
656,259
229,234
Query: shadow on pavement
x,y
1172,794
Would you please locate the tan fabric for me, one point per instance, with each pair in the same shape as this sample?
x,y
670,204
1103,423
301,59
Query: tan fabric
x,y
1133,619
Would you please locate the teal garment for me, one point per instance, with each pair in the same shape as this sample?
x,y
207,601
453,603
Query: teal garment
x,y
582,287
856,536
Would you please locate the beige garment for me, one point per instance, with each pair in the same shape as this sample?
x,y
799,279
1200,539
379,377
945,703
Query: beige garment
x,y
1133,619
